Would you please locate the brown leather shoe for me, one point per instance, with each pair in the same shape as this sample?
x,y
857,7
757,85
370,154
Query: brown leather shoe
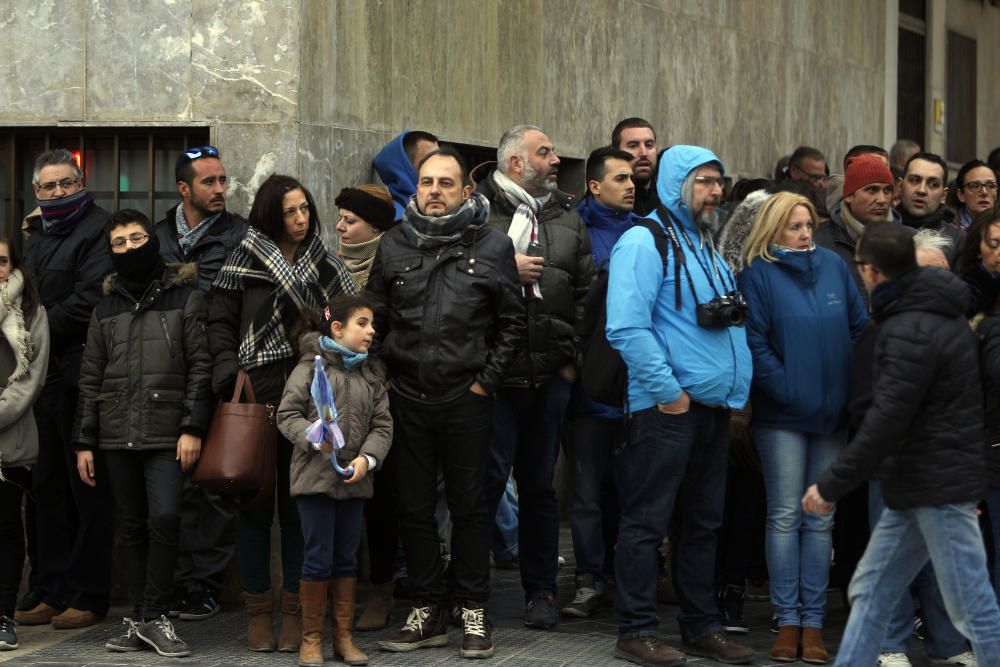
x,y
75,618
477,631
813,650
313,597
290,632
786,646
648,651
343,592
260,620
39,615
718,646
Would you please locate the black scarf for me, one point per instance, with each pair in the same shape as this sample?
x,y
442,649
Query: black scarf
x,y
139,267
427,231
59,215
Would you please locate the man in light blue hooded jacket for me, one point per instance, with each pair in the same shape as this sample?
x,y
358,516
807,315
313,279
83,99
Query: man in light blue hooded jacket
x,y
684,377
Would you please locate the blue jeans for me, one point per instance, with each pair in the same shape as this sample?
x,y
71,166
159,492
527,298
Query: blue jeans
x,y
505,528
526,428
993,503
589,457
942,640
798,545
331,530
670,458
900,546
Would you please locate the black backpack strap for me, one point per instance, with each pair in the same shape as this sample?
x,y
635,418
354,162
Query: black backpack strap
x,y
663,244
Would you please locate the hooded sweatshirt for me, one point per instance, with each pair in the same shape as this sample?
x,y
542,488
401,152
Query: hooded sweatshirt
x,y
394,168
805,312
664,348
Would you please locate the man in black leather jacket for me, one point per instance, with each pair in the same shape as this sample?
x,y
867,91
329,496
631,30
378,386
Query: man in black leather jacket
x,y
448,320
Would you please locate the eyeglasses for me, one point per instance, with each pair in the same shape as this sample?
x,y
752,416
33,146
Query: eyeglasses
x,y
859,262
65,184
977,186
137,239
201,151
709,180
815,179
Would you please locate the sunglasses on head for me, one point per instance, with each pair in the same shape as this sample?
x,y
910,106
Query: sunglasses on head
x,y
201,151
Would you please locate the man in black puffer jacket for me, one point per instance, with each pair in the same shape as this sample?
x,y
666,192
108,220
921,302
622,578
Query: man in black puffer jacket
x,y
556,268
923,434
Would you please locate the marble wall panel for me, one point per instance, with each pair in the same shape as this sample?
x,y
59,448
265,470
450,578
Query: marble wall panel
x,y
245,60
42,74
254,151
138,60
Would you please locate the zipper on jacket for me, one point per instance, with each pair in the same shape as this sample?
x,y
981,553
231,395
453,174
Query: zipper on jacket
x,y
166,332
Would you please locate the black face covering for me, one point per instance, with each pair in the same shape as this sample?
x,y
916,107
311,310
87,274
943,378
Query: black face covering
x,y
138,267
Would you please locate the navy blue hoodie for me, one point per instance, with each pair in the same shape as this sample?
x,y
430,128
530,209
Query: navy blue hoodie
x,y
394,168
804,314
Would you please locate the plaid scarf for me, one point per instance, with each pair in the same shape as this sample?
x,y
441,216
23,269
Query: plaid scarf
x,y
315,277
434,231
523,229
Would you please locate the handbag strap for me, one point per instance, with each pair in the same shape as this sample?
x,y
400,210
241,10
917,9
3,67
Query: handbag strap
x,y
243,382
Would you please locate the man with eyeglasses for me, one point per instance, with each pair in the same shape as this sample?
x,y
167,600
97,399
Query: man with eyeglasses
x,y
808,165
922,191
67,257
200,230
688,366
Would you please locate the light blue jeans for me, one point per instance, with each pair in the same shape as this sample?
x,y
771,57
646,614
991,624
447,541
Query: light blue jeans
x,y
798,545
901,545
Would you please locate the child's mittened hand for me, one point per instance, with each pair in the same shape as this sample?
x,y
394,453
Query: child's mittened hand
x,y
360,470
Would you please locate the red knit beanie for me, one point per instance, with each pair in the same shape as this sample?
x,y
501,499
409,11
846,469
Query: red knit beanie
x,y
864,170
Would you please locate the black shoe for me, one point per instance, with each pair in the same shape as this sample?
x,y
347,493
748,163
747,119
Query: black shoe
x,y
199,606
177,604
31,599
918,627
774,625
128,642
455,615
732,611
541,612
8,635
160,635
477,632
425,627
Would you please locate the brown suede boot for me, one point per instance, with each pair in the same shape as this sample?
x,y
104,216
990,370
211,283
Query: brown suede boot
x,y
813,650
786,646
377,607
313,597
342,594
291,624
260,625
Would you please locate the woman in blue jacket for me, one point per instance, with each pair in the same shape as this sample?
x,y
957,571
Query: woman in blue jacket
x,y
804,312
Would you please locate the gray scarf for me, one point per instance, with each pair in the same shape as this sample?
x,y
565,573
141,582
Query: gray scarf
x,y
427,231
186,237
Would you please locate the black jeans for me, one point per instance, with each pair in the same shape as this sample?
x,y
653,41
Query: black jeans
x,y
454,436
147,490
12,490
74,522
207,539
382,523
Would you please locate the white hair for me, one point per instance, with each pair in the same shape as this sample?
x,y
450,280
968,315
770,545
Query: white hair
x,y
930,239
512,143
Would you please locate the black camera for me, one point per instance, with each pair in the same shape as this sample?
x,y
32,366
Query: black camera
x,y
723,311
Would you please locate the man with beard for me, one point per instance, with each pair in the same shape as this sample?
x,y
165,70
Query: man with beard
x,y
448,320
922,191
200,230
66,255
686,370
868,192
555,269
637,137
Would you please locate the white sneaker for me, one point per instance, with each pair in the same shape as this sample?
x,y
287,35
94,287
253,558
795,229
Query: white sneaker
x,y
893,660
966,659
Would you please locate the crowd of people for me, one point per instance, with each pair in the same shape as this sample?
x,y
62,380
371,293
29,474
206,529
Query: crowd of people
x,y
722,364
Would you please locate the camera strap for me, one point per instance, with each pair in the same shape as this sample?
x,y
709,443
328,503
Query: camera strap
x,y
721,275
664,232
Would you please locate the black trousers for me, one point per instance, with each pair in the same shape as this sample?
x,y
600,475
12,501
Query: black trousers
x,y
382,523
147,490
454,436
12,490
73,521
207,539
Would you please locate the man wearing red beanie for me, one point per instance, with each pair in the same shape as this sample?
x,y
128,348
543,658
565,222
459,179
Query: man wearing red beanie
x,y
867,198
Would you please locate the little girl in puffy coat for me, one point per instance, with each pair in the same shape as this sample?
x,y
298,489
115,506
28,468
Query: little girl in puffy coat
x,y
330,503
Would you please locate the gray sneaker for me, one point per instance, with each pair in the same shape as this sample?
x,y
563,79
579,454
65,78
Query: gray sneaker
x,y
8,634
160,635
128,642
587,598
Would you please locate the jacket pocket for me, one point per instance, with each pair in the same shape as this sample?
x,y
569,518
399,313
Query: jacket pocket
x,y
165,413
166,335
112,414
407,288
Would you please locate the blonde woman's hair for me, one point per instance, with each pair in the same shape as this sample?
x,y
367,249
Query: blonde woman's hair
x,y
770,221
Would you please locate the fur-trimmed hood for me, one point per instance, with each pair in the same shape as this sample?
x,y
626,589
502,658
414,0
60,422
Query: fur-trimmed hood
x,y
176,273
737,229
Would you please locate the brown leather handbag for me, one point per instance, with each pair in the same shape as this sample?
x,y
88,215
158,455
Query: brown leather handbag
x,y
238,455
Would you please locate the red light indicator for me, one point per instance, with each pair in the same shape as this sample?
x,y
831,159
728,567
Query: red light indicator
x,y
78,158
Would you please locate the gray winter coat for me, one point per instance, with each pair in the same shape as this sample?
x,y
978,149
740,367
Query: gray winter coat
x,y
146,370
18,433
362,413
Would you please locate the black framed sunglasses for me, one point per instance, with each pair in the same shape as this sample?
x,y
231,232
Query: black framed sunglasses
x,y
201,151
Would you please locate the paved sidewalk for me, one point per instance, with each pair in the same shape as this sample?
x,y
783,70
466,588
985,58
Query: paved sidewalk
x,y
221,641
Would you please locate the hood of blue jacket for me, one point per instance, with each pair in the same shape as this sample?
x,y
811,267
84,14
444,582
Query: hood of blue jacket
x,y
803,264
395,170
675,165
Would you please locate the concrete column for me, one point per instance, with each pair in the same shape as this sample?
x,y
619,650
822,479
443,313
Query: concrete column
x,y
937,55
891,73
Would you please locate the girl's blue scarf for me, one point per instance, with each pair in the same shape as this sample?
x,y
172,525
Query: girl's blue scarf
x,y
349,357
